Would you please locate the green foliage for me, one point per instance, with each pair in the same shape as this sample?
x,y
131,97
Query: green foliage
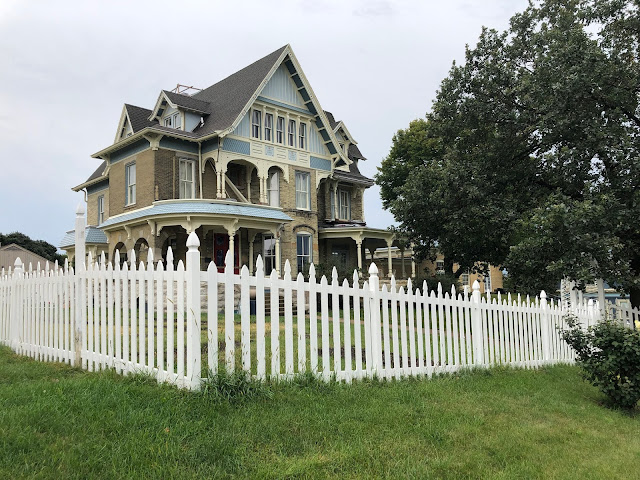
x,y
529,157
609,355
39,247
233,387
344,272
447,280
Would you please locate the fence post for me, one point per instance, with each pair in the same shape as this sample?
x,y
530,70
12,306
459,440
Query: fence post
x,y
544,323
476,326
80,269
374,312
193,312
16,305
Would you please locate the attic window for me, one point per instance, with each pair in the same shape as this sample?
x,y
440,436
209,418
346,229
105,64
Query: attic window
x,y
173,121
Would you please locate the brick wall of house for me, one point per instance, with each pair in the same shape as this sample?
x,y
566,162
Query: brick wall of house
x,y
92,206
144,182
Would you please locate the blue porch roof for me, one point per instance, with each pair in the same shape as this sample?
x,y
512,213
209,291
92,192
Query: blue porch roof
x,y
91,235
202,208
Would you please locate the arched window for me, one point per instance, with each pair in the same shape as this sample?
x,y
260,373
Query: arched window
x,y
273,189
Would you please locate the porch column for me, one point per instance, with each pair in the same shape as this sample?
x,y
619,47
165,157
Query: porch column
x,y
218,184
262,181
413,267
251,239
223,187
404,275
232,249
389,260
276,236
359,246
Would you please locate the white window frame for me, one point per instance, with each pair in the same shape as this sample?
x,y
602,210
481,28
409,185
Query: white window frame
x,y
291,133
172,121
302,136
130,186
280,130
268,127
256,124
439,266
187,165
100,209
273,188
487,282
269,254
303,190
301,256
465,283
344,210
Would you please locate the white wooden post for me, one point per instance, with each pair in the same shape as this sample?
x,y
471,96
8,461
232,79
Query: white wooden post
x,y
16,305
80,285
376,341
193,312
544,320
476,325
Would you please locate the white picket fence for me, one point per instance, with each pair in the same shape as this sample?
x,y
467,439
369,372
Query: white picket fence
x,y
148,318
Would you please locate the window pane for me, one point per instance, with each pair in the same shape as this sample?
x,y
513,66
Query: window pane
x,y
292,133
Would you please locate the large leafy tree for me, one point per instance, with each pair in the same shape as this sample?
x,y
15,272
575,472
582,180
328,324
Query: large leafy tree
x,y
39,247
530,155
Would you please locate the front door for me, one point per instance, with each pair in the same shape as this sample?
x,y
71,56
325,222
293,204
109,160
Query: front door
x,y
220,248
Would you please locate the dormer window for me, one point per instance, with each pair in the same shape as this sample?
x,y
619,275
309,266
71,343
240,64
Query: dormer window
x,y
173,121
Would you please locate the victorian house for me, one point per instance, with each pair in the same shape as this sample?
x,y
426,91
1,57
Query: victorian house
x,y
252,164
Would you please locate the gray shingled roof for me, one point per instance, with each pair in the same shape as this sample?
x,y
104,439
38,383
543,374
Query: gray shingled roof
x,y
228,97
139,117
98,172
187,102
353,175
354,151
91,235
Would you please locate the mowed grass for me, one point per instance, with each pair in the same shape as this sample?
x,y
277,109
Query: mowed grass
x,y
58,422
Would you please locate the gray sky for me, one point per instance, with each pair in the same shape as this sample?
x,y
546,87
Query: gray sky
x,y
66,68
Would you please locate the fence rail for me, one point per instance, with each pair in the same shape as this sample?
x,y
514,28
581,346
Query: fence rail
x,y
165,321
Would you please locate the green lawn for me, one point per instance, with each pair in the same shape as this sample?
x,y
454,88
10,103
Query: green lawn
x,y
57,422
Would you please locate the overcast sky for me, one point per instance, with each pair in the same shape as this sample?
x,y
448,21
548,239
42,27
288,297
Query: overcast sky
x,y
66,68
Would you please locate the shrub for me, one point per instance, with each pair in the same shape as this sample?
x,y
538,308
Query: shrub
x,y
609,355
446,279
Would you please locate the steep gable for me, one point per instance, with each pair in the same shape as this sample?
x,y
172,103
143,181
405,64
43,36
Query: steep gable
x,y
282,89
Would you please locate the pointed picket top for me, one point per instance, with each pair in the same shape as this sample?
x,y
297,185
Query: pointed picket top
x,y
132,260
150,257
432,294
509,298
393,283
373,269
180,266
447,296
356,278
160,266
528,301
125,267
244,271
543,296
30,267
260,265
46,267
66,264
211,267
89,259
453,290
334,275
287,269
345,283
499,299
401,292
323,281
476,286
142,267
409,286
193,242
312,272
519,300
103,260
384,288
273,276
439,289
169,258
109,267
300,278
228,262
488,294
